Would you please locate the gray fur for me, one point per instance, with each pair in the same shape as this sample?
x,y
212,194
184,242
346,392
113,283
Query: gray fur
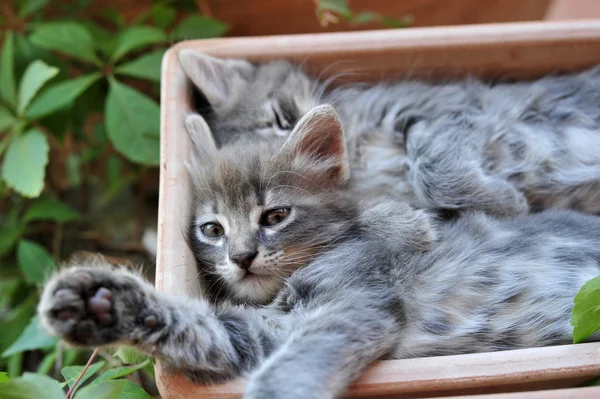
x,y
367,280
503,149
247,97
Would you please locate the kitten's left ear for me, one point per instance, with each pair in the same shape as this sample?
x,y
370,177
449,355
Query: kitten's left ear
x,y
202,140
220,80
319,135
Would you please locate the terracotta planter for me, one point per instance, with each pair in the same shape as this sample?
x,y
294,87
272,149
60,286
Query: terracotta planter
x,y
523,50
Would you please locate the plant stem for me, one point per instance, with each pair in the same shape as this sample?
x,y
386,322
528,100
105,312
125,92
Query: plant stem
x,y
89,362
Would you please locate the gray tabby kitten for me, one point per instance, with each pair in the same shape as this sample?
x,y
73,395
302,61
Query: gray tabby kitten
x,y
308,287
503,149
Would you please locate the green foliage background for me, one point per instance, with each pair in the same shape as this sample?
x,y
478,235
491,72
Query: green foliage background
x,y
81,85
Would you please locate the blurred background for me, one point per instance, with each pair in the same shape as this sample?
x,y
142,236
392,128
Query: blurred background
x,y
79,144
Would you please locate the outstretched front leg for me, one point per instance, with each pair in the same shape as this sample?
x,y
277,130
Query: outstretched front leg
x,y
328,349
102,305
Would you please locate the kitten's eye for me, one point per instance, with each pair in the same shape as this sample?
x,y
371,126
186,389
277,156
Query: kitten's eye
x,y
212,230
275,216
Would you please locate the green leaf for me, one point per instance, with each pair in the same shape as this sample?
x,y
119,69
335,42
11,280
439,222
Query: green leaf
x,y
198,27
50,209
102,390
4,143
31,386
4,377
129,355
8,237
7,118
132,391
26,177
394,23
338,6
34,337
36,75
72,372
592,383
60,95
590,287
13,324
147,66
35,262
137,37
103,39
9,286
586,311
14,365
366,17
28,7
67,37
70,355
132,123
121,371
26,53
163,16
7,70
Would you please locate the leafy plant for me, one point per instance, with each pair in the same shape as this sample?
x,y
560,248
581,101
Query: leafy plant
x,y
585,318
78,93
335,11
109,384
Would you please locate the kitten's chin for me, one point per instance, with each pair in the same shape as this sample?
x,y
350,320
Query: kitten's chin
x,y
258,289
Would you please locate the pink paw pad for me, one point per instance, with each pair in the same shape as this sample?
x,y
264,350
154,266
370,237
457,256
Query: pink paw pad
x,y
100,306
65,314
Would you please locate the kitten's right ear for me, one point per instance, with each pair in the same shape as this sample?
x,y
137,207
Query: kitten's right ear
x,y
203,142
319,135
219,80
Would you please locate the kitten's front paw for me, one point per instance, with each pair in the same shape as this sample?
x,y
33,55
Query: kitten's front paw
x,y
93,306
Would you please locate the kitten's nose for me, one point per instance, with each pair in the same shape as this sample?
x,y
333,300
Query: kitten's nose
x,y
244,260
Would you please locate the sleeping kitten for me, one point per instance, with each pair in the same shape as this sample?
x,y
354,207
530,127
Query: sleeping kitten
x,y
308,289
502,149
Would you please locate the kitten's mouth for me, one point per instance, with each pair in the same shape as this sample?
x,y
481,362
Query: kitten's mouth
x,y
249,276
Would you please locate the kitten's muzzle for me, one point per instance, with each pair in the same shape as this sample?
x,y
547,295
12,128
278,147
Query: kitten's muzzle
x,y
244,260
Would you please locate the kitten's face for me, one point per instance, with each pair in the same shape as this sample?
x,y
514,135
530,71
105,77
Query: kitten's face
x,y
251,101
263,210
